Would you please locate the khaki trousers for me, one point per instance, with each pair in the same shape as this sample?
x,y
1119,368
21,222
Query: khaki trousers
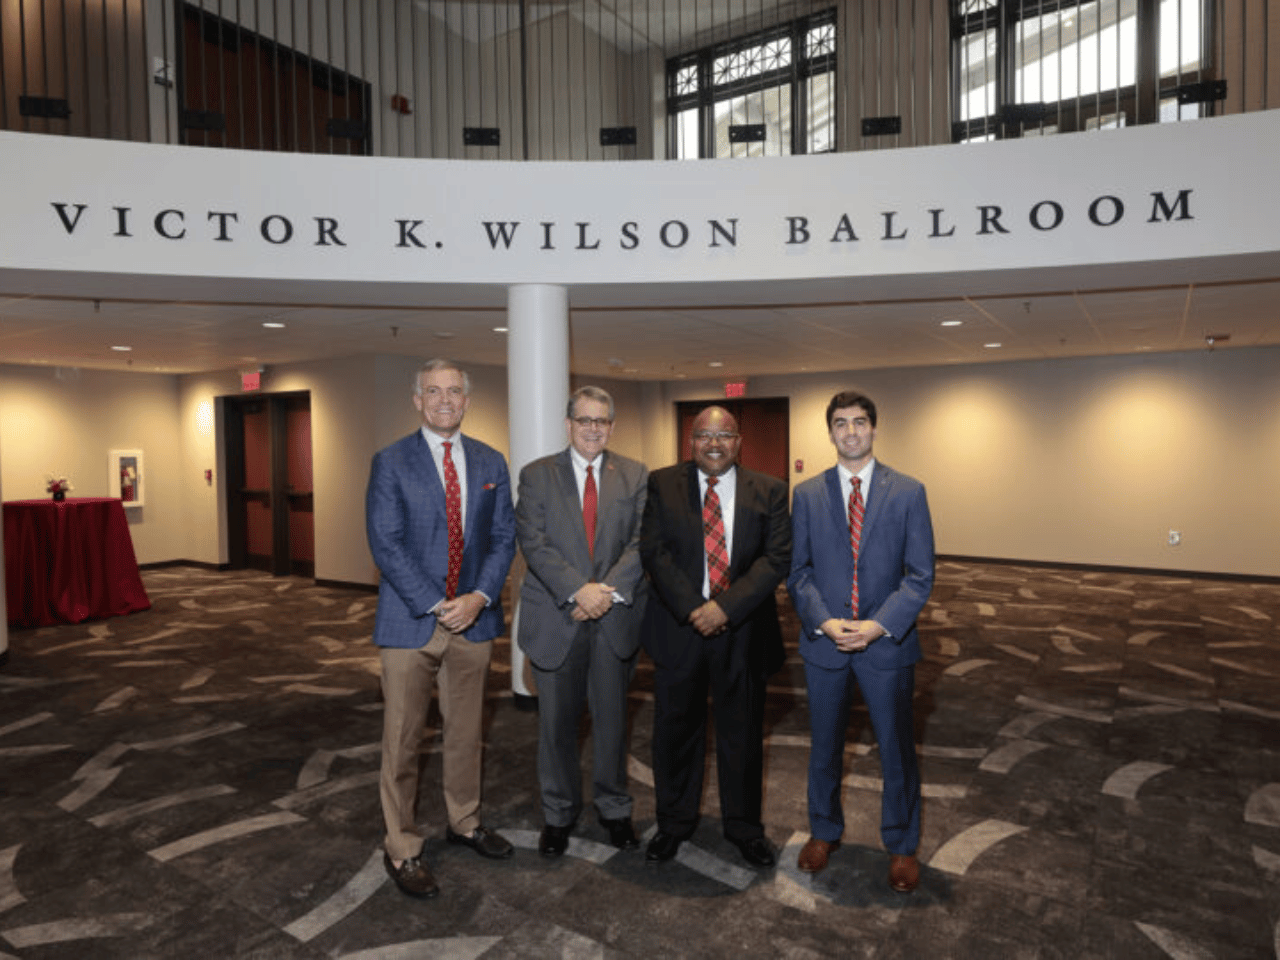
x,y
459,668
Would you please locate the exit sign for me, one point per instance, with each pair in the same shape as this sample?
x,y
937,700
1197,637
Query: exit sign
x,y
736,389
250,381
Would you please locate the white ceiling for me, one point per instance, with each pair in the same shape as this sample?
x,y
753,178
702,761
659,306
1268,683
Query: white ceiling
x,y
672,26
733,329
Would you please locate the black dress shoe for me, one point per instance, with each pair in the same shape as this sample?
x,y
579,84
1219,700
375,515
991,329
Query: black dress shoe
x,y
621,833
757,852
412,877
483,841
662,847
554,841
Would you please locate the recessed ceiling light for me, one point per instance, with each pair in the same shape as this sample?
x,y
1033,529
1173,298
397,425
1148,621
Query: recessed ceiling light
x,y
273,324
499,329
951,323
444,335
122,349
993,346
716,363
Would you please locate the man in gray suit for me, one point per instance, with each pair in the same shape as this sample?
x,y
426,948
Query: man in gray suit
x,y
578,526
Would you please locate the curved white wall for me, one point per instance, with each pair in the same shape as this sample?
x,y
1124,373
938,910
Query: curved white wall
x,y
1157,196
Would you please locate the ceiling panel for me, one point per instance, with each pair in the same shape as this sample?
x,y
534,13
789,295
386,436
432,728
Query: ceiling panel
x,y
649,343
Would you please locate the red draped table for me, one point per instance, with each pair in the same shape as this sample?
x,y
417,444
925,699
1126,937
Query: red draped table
x,y
69,562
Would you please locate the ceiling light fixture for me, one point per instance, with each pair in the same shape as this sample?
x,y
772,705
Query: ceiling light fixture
x,y
715,363
122,349
993,346
499,329
273,324
951,323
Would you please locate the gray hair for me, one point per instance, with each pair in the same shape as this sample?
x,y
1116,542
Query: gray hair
x,y
599,394
439,363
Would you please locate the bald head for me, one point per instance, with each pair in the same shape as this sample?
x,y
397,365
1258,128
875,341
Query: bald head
x,y
715,441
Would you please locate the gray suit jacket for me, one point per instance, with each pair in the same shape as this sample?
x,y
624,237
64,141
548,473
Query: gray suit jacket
x,y
552,537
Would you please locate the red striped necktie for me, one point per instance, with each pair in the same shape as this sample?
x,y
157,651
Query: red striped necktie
x,y
855,535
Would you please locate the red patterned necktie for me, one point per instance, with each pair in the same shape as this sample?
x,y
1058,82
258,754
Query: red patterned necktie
x,y
855,535
453,512
589,498
713,540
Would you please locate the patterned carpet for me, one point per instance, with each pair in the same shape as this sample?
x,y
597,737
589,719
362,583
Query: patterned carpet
x,y
1101,756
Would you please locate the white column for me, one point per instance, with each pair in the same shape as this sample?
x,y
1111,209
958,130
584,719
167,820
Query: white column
x,y
537,391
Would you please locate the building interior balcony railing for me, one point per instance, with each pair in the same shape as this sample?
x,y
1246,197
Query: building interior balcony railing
x,y
623,79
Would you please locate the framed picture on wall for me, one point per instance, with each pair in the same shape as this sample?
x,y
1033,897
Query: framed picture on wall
x,y
125,477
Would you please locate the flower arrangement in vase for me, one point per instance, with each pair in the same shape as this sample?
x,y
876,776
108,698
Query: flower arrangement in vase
x,y
58,486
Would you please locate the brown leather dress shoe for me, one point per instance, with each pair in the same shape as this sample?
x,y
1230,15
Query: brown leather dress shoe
x,y
904,872
814,854
486,842
412,876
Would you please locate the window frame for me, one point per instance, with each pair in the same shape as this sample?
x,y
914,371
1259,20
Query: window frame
x,y
1140,102
707,94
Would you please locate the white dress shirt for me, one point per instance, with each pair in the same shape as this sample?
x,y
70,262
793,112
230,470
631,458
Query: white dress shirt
x,y
458,455
846,484
580,475
435,443
727,491
580,465
846,487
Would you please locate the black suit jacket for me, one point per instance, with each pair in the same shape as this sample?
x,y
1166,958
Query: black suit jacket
x,y
671,550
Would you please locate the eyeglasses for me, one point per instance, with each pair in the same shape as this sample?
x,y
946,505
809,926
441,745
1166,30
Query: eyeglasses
x,y
703,437
598,422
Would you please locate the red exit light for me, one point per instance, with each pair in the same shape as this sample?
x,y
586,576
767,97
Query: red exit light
x,y
737,389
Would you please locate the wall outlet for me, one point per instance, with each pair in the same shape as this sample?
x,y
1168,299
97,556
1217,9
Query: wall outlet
x,y
1175,538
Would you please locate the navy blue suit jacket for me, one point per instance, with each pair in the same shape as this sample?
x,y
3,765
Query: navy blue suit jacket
x,y
895,565
409,537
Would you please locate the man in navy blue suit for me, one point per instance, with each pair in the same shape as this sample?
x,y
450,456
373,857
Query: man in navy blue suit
x,y
861,572
442,531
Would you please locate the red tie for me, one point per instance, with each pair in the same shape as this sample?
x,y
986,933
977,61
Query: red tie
x,y
713,541
855,535
589,510
453,511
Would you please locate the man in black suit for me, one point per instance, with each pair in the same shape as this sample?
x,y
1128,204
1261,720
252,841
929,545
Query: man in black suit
x,y
716,542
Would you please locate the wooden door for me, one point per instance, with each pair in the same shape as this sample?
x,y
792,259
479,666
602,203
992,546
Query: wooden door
x,y
239,89
270,521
